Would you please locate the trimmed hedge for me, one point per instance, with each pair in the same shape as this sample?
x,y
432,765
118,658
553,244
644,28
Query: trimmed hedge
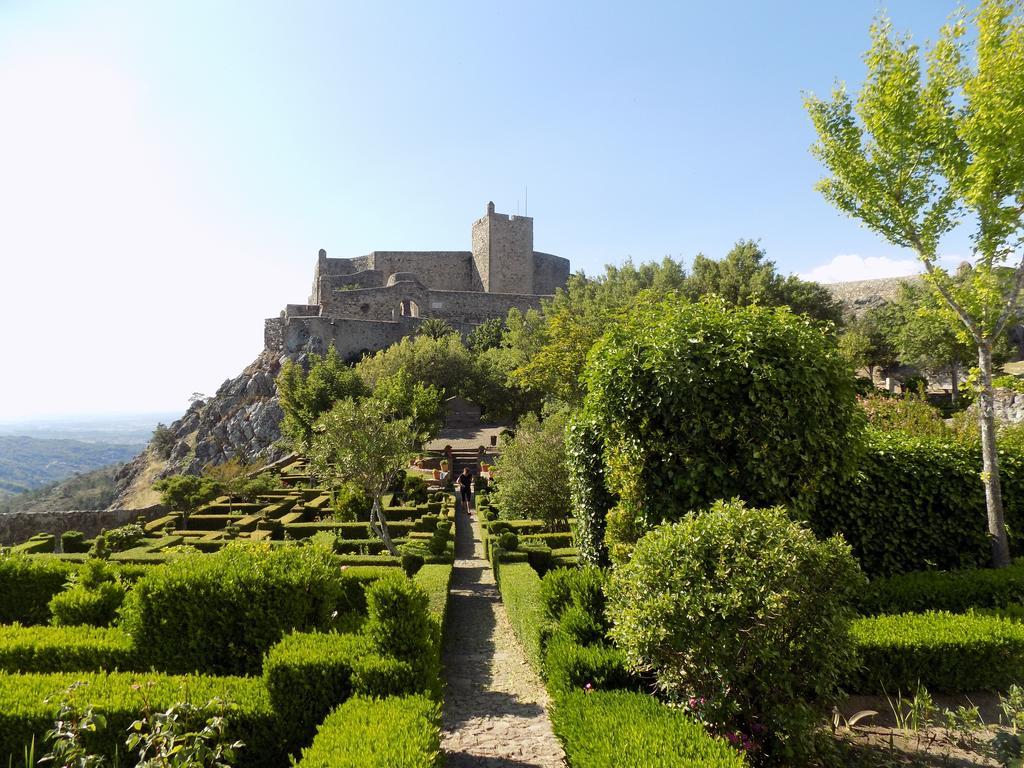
x,y
378,733
29,705
572,667
308,674
27,584
220,613
955,591
435,581
609,729
521,593
942,651
400,625
918,502
96,606
64,649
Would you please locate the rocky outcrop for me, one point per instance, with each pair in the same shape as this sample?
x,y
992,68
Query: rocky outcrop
x,y
858,296
241,420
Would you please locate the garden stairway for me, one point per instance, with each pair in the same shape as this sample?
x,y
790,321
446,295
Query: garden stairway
x,y
494,705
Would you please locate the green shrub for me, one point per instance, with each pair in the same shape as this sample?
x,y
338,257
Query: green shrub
x,y
26,586
73,541
380,676
221,612
435,580
63,649
81,605
941,651
400,625
702,401
308,674
378,733
125,537
521,593
414,490
918,503
508,541
41,543
609,729
29,705
534,480
538,555
351,502
588,487
580,587
745,609
954,591
570,666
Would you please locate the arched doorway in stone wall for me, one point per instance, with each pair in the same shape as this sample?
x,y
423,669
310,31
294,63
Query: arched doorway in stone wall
x,y
409,308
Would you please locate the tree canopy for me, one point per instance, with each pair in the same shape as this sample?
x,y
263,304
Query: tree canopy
x,y
928,142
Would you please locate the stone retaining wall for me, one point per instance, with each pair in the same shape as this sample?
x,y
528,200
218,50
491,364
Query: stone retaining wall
x,y
16,527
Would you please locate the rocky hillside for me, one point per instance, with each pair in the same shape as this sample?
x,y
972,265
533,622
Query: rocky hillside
x,y
241,420
858,296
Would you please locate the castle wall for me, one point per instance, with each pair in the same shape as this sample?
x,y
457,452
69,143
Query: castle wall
x,y
352,338
549,273
382,304
444,270
471,308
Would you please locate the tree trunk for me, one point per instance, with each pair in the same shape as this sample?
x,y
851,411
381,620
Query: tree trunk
x,y
380,525
990,461
954,378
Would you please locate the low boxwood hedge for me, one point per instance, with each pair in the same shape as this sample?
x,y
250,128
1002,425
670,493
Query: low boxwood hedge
x,y
27,585
570,666
521,593
394,732
220,613
942,651
29,705
955,591
64,649
307,674
609,729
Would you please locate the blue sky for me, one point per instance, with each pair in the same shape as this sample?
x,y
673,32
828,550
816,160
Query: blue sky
x,y
168,171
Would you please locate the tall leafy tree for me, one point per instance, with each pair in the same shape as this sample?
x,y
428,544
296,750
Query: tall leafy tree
x,y
401,396
357,442
927,143
746,276
307,394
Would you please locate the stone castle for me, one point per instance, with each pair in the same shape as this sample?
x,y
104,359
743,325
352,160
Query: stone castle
x,y
367,303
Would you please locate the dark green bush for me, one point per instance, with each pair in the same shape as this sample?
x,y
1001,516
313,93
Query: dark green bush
x,y
379,676
308,674
29,705
538,555
378,733
508,541
745,609
918,503
400,625
941,651
97,606
570,666
611,729
26,586
414,490
124,537
64,649
955,591
73,541
351,503
588,487
582,587
702,401
221,612
41,543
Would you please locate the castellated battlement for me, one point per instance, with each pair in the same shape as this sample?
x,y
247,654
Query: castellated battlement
x,y
366,303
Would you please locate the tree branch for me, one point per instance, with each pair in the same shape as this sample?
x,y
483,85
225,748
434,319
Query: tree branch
x,y
1011,301
929,265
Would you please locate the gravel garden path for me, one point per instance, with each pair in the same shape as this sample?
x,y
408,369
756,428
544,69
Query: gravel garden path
x,y
495,707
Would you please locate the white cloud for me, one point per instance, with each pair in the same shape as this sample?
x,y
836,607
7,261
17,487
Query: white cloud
x,y
849,266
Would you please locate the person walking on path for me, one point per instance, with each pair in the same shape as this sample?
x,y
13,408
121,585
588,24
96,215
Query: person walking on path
x,y
465,483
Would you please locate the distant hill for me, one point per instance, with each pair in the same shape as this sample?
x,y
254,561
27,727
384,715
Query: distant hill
x,y
88,490
28,463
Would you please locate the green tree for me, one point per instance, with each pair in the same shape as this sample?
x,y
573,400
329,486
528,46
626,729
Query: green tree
x,y
745,276
186,494
356,442
435,328
487,335
534,479
554,350
917,151
400,396
695,402
870,347
306,394
240,481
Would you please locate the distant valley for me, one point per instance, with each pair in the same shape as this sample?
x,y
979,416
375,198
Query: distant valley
x,y
28,463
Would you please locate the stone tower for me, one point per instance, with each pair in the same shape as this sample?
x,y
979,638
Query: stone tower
x,y
503,253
